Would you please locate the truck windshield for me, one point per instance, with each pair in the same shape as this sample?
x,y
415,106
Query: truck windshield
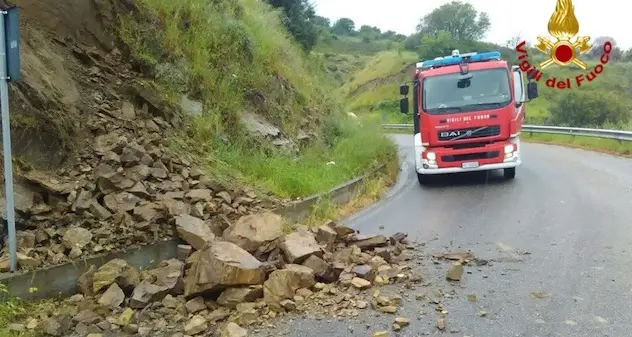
x,y
486,89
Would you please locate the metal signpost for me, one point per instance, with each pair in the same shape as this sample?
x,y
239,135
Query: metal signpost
x,y
9,71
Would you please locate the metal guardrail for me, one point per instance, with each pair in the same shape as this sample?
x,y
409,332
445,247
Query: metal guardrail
x,y
560,130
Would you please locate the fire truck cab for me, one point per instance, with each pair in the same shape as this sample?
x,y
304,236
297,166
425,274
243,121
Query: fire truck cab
x,y
468,111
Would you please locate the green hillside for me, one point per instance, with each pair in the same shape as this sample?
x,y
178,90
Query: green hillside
x,y
373,90
241,59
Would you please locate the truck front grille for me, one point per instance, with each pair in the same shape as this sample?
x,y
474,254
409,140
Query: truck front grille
x,y
469,133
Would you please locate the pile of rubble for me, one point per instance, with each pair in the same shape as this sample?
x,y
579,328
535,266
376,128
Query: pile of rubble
x,y
252,273
123,187
126,193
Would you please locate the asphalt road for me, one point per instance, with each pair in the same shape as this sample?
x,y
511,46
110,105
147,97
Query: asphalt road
x,y
562,227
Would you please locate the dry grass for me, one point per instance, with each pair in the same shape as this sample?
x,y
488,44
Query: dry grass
x,y
371,190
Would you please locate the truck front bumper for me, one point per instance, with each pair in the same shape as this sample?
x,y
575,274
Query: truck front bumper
x,y
484,167
502,161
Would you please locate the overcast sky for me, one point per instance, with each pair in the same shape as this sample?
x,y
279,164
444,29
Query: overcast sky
x,y
508,17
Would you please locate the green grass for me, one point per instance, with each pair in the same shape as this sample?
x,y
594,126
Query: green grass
x,y
375,99
383,65
232,53
236,56
356,150
12,309
341,67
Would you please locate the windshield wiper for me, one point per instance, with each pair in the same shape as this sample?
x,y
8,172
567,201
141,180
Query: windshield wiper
x,y
449,108
487,105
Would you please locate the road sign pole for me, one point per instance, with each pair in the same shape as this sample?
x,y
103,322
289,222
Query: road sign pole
x,y
6,145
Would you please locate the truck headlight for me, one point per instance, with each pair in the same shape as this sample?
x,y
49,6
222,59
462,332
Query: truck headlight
x,y
509,149
431,156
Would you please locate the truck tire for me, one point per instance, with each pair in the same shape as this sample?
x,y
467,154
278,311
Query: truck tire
x,y
423,179
509,173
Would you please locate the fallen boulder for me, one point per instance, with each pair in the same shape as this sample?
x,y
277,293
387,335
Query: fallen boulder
x,y
256,233
298,246
283,283
221,265
194,231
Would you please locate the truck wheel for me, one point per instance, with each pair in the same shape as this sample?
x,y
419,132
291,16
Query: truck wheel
x,y
423,179
509,173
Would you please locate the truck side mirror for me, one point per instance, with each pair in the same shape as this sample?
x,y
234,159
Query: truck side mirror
x,y
403,105
403,89
532,90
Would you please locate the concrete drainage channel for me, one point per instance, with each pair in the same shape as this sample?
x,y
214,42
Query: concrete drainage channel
x,y
61,280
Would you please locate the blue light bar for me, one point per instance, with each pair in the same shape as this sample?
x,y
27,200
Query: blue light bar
x,y
455,60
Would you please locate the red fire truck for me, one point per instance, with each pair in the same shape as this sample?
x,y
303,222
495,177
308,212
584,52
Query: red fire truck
x,y
468,110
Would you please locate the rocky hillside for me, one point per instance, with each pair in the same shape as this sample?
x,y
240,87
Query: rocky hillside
x,y
133,112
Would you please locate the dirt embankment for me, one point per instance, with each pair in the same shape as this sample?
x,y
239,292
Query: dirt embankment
x,y
89,137
70,67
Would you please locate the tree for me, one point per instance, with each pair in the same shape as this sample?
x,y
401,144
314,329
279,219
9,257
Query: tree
x,y
436,44
343,26
589,108
626,56
459,19
299,20
370,32
413,42
597,48
321,21
389,35
399,37
514,41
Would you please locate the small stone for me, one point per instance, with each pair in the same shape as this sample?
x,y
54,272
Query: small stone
x,y
233,330
170,302
126,317
360,283
144,331
196,304
232,296
196,325
455,273
131,329
14,327
288,305
364,271
320,286
381,334
113,297
402,321
326,235
304,292
32,324
441,324
76,237
389,309
76,298
362,304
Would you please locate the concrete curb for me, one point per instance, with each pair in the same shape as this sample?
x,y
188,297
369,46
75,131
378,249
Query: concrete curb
x,y
61,280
